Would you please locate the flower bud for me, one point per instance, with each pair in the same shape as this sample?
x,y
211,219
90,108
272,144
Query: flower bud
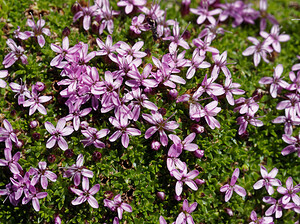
x,y
148,52
69,153
66,32
95,27
199,181
75,8
162,111
155,145
39,86
36,136
198,129
96,156
177,198
108,194
185,7
13,113
161,195
173,93
229,211
19,144
186,35
33,124
51,158
199,153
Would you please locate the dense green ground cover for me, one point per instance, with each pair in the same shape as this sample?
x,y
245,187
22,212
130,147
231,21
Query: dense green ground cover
x,y
139,172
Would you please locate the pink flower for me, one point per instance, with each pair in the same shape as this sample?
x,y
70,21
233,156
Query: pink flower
x,y
268,180
289,192
129,4
275,37
38,30
86,194
229,188
42,174
176,39
34,196
87,13
185,216
77,169
118,205
17,52
262,220
11,162
3,74
259,50
93,136
35,102
159,125
58,133
183,176
7,134
276,83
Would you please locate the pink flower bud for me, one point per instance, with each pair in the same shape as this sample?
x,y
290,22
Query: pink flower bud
x,y
173,93
33,124
177,198
155,145
198,129
199,153
66,32
229,211
39,86
199,181
161,195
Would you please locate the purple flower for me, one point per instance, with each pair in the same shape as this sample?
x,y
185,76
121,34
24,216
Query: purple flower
x,y
183,176
262,220
230,89
106,17
42,175
129,4
276,83
296,81
159,125
208,112
263,5
38,30
185,144
246,106
203,13
138,25
21,91
276,207
118,205
259,50
11,162
288,121
176,39
34,196
275,37
229,188
21,185
268,180
35,102
243,121
108,48
10,192
220,63
76,113
86,194
204,46
141,79
3,74
289,192
7,134
58,133
121,122
77,169
185,216
93,136
197,62
293,146
87,13
17,52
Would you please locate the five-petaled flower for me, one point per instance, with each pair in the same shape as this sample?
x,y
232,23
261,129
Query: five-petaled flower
x,y
58,133
268,180
118,205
